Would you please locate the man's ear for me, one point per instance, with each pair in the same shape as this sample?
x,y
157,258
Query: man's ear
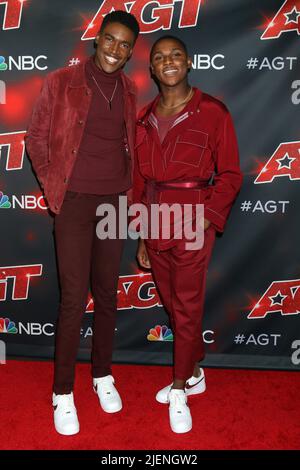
x,y
97,38
189,63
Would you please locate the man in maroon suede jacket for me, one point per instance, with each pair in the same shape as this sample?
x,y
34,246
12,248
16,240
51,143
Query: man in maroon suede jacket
x,y
81,141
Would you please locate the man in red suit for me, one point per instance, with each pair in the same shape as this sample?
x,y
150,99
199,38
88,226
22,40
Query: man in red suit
x,y
186,153
79,140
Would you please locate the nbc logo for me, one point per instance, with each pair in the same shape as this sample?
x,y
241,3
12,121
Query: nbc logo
x,y
4,201
160,333
22,62
3,65
7,326
24,201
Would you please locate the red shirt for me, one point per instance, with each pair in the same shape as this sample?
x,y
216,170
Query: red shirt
x,y
102,165
165,124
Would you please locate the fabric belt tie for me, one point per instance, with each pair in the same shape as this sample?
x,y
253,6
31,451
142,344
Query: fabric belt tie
x,y
153,188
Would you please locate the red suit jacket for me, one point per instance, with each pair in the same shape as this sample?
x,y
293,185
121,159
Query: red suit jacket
x,y
201,144
57,124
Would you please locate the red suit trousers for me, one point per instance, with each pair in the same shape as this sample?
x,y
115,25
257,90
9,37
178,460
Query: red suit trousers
x,y
180,277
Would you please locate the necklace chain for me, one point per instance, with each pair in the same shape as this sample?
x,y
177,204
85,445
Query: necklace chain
x,y
178,104
106,99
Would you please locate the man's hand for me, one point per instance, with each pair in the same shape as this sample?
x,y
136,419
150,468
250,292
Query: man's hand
x,y
142,255
206,224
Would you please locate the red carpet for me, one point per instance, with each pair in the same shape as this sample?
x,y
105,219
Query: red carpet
x,y
241,409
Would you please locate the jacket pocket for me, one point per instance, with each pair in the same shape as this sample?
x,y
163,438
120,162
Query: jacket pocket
x,y
189,147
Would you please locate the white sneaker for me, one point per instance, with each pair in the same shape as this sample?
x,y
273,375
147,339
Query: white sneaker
x,y
65,415
179,412
108,395
193,386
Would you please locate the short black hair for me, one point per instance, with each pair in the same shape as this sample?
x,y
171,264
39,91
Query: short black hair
x,y
126,19
173,38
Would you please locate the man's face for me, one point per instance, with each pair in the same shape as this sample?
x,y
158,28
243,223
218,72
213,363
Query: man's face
x,y
114,47
169,62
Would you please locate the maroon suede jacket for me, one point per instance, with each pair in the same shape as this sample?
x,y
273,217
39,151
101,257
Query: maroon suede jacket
x,y
57,124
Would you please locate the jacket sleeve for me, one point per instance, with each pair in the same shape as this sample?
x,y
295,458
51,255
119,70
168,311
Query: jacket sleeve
x,y
228,176
37,137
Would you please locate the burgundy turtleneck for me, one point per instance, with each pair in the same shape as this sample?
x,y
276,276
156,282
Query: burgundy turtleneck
x,y
102,165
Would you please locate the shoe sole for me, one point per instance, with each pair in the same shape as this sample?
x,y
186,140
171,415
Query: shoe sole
x,y
66,433
110,411
181,432
190,391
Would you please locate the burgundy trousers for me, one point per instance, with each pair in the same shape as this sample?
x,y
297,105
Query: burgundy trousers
x,y
180,277
83,260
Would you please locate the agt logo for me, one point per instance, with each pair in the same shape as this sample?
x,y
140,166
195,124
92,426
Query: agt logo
x,y
27,202
14,144
263,339
22,62
151,15
134,291
287,19
285,161
12,13
281,297
21,277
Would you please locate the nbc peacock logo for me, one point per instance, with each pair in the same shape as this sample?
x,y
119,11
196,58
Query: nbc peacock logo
x,y
4,201
7,326
3,65
160,333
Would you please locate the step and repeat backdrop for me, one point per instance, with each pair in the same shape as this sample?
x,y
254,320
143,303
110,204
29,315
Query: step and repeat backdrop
x,y
244,52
